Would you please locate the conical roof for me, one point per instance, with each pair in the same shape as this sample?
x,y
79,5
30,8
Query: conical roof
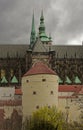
x,y
40,68
60,81
4,80
77,80
14,80
68,80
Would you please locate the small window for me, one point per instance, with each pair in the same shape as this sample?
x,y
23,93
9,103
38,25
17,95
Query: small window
x,y
27,80
37,107
34,92
51,92
43,80
48,106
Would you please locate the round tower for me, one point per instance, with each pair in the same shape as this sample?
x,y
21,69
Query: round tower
x,y
40,88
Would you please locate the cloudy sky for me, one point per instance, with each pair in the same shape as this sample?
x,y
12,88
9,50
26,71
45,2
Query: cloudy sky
x,y
63,19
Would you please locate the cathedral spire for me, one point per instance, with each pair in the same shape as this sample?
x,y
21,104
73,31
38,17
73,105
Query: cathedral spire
x,y
42,33
33,33
42,26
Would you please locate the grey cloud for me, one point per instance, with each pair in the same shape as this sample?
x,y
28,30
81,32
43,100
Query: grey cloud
x,y
63,19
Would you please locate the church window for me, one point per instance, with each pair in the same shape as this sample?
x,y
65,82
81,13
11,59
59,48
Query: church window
x,y
51,92
43,80
34,92
2,73
11,72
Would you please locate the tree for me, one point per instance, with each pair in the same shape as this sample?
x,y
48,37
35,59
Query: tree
x,y
46,119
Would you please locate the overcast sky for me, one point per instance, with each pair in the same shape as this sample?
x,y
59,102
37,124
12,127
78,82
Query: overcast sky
x,y
63,19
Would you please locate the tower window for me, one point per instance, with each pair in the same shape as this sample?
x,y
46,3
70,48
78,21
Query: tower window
x,y
37,107
43,80
51,92
48,106
34,92
27,80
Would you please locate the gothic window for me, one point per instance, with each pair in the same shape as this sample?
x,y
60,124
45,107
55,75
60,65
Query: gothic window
x,y
2,73
11,72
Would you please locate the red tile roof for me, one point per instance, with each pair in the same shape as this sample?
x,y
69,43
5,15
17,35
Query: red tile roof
x,y
10,102
18,92
71,97
39,68
69,88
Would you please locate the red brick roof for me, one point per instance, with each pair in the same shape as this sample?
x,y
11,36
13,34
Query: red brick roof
x,y
39,68
69,88
18,91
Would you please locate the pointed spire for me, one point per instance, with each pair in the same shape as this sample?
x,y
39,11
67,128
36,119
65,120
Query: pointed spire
x,y
42,17
33,33
42,33
42,26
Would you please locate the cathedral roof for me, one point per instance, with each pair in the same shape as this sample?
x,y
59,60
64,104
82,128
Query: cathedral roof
x,y
39,68
69,51
12,50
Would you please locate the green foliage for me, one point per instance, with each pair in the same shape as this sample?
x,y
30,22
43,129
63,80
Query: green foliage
x,y
46,119
50,119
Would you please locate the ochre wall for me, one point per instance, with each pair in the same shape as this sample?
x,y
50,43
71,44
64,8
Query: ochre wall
x,y
46,92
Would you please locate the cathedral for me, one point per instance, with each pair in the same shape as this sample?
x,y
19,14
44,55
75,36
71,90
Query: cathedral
x,y
54,71
66,60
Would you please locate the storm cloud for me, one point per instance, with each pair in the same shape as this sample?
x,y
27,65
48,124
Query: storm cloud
x,y
63,19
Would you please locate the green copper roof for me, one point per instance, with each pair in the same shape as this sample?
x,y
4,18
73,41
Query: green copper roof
x,y
14,80
42,33
42,26
60,81
77,80
33,33
42,17
68,80
4,80
43,37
